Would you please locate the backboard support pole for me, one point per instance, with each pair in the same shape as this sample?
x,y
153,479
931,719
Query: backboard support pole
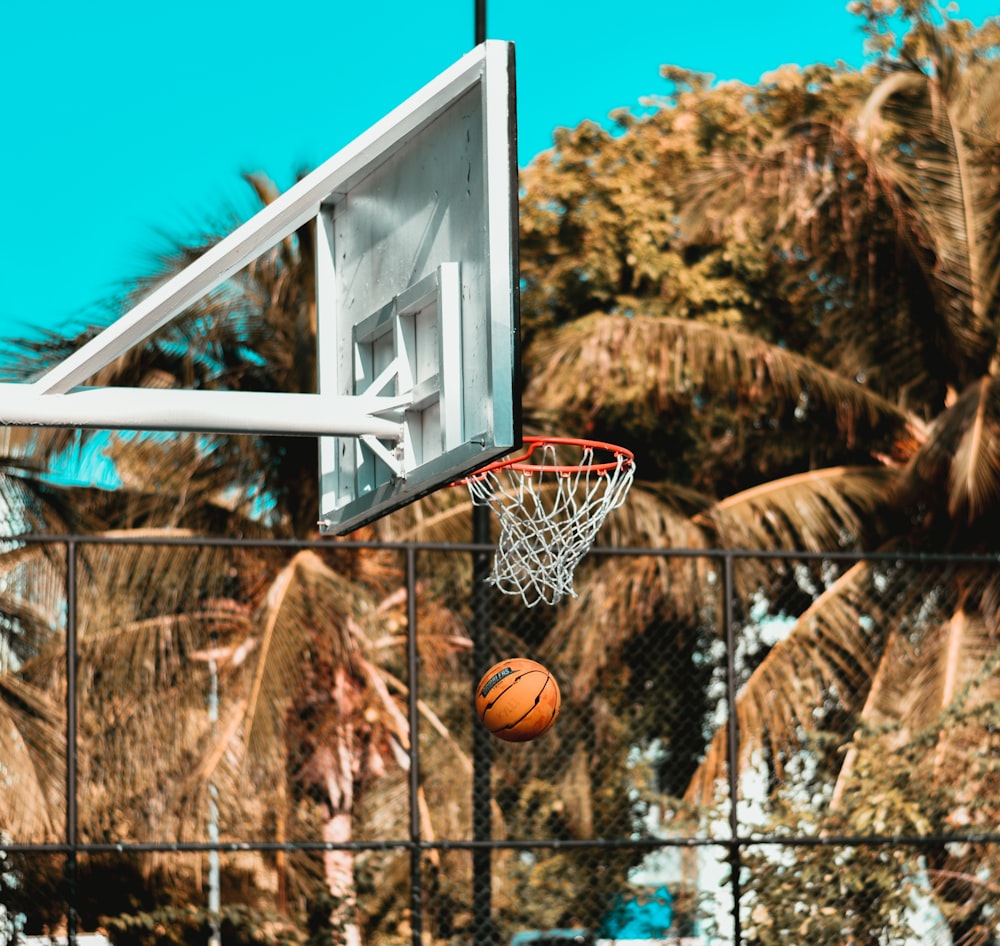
x,y
223,412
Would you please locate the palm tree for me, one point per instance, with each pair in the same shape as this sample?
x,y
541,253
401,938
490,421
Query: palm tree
x,y
862,230
923,140
32,736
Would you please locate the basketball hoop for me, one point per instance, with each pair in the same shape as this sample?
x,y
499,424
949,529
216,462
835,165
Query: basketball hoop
x,y
550,499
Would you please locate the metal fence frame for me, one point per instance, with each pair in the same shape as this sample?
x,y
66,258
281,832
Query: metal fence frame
x,y
481,845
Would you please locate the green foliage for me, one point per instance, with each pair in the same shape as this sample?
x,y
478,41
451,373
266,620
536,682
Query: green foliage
x,y
834,892
867,878
680,217
322,929
11,921
827,895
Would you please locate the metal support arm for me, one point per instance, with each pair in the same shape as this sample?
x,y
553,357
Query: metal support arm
x,y
224,412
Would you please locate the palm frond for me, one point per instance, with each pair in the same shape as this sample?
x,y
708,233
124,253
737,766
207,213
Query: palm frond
x,y
444,515
832,651
32,747
817,511
34,581
306,604
959,663
975,479
961,456
918,134
891,652
657,515
937,694
647,362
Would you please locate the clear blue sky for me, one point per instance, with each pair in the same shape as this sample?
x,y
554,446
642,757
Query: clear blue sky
x,y
122,119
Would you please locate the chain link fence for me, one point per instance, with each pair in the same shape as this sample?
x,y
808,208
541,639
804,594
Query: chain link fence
x,y
233,742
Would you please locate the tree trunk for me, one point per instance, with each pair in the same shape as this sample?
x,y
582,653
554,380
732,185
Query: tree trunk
x,y
338,865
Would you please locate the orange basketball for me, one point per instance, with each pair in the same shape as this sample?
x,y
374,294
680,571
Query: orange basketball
x,y
517,699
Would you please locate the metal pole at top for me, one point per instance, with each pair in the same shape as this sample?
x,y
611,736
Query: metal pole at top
x,y
484,930
480,35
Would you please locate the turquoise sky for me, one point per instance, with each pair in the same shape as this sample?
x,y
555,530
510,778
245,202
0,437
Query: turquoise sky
x,y
124,120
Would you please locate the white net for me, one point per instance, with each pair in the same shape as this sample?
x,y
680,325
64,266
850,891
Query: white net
x,y
550,508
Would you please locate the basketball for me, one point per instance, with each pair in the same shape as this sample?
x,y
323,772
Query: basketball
x,y
517,699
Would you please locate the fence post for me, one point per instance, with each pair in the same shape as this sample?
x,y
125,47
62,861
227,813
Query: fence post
x,y
413,668
71,724
484,931
733,737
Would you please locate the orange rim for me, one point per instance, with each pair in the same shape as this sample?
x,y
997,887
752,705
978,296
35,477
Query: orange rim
x,y
522,461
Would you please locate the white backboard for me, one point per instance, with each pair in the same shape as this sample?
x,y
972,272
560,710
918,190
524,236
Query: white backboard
x,y
417,292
